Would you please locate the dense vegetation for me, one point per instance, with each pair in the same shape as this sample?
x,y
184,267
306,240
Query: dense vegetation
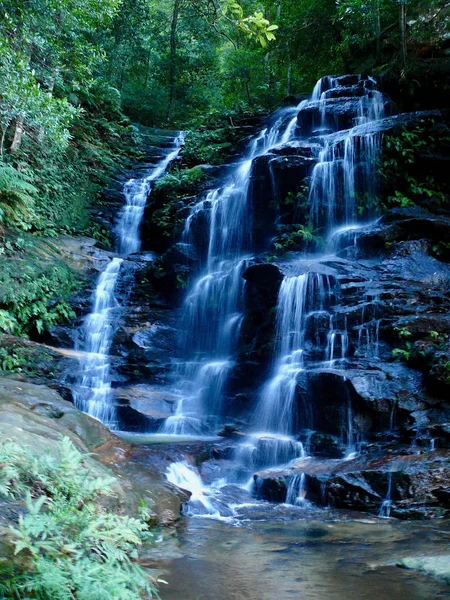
x,y
70,71
70,544
74,77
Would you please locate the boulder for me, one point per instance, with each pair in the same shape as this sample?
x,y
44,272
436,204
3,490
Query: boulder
x,y
142,407
436,566
36,416
334,113
262,202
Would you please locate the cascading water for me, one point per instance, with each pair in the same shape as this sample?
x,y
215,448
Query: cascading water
x,y
275,410
343,175
212,311
92,388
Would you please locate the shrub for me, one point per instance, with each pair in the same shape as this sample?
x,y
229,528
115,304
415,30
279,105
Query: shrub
x,y
77,548
34,291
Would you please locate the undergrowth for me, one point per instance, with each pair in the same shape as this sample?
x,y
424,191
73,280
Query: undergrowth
x,y
72,546
35,287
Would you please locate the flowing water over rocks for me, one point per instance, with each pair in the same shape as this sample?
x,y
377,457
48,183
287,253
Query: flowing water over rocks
x,y
329,401
92,389
288,359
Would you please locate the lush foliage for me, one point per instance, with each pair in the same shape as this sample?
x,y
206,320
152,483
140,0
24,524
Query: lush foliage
x,y
35,287
409,167
76,547
68,69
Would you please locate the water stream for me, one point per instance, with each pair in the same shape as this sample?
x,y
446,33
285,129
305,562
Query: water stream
x,y
243,547
92,388
304,556
344,172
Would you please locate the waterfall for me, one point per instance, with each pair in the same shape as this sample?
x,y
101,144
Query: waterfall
x,y
92,387
345,168
296,491
339,119
212,310
275,411
386,505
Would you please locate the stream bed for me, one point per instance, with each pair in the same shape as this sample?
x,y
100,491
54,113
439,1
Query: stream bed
x,y
321,555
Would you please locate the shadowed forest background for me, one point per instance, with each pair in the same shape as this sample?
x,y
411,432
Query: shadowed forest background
x,y
75,74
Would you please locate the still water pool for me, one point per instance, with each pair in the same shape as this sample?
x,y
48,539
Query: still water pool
x,y
281,553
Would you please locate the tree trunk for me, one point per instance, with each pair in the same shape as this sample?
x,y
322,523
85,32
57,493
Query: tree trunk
x,y
18,131
147,69
173,57
279,9
402,22
247,81
5,128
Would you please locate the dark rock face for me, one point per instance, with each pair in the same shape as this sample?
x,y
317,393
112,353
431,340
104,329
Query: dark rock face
x,y
410,486
388,301
337,113
261,197
256,334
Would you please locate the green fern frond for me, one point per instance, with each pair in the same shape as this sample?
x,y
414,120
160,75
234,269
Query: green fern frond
x,y
16,197
79,549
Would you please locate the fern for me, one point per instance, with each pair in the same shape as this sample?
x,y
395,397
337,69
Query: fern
x,y
16,197
79,550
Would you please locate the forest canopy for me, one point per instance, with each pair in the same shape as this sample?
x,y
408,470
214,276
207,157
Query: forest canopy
x,y
75,73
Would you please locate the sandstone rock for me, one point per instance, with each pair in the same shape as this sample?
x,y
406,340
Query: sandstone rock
x,y
436,566
416,486
35,416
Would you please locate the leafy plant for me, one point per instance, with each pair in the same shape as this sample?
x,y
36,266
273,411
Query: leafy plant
x,y
401,354
405,181
402,332
34,293
79,550
301,237
17,196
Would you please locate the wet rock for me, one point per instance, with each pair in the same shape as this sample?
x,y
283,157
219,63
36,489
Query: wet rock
x,y
265,275
143,407
343,397
256,340
414,485
399,224
297,148
228,431
436,566
175,269
323,445
261,199
336,113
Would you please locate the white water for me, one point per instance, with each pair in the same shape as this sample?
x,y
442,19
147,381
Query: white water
x,y
213,307
385,509
92,388
296,490
275,411
212,311
220,228
204,500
